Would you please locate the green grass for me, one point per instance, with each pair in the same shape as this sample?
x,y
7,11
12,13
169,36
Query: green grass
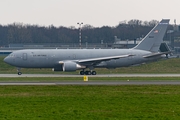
x,y
70,102
90,102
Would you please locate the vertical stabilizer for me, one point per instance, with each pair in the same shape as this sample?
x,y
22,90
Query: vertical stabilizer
x,y
152,41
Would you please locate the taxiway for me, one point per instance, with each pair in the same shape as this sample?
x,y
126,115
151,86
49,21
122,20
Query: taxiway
x,y
99,75
95,83
154,82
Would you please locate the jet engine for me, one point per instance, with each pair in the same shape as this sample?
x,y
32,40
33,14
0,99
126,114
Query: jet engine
x,y
69,66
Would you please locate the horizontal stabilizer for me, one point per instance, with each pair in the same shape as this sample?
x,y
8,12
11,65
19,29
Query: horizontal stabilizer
x,y
156,54
164,47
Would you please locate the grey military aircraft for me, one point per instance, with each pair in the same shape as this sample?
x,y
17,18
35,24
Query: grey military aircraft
x,y
81,59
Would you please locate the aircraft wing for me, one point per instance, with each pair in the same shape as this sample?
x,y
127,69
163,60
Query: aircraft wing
x,y
93,61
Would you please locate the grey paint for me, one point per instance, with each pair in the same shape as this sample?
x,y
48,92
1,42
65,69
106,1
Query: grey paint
x,y
69,59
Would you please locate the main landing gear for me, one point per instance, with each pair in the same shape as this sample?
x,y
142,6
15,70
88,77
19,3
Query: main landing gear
x,y
87,72
19,71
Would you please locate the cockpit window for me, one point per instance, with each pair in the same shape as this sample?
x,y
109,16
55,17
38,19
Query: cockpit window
x,y
11,55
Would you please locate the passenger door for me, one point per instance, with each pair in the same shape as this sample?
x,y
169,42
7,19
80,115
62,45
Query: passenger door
x,y
24,56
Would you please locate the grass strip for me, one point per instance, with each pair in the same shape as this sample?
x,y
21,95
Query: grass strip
x,y
90,102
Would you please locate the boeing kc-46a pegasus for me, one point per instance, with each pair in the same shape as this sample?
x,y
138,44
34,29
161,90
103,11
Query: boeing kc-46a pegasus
x,y
81,59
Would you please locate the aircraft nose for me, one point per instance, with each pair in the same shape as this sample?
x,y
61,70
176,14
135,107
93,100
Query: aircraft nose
x,y
7,60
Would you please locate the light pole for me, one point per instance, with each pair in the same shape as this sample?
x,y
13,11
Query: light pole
x,y
80,34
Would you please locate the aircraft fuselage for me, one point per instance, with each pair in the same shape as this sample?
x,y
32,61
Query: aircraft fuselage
x,y
49,58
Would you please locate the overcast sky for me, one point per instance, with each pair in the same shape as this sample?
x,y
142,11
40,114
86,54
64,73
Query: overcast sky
x,y
93,12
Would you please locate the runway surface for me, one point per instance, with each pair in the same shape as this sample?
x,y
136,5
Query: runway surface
x,y
95,83
99,75
153,82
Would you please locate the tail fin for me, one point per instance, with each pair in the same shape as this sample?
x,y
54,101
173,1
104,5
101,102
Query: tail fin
x,y
152,41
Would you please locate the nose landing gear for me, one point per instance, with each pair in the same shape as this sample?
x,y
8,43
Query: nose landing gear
x,y
19,71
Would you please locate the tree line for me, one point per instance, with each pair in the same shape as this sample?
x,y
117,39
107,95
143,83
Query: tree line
x,y
24,33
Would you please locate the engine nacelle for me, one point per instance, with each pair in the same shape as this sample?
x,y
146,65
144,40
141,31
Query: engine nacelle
x,y
69,66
